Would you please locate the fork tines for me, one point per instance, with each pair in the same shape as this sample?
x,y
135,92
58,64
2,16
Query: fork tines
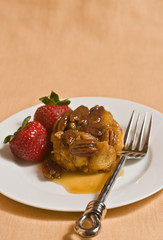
x,y
138,140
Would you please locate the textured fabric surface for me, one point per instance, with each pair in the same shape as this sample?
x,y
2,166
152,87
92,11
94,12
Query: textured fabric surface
x,y
80,48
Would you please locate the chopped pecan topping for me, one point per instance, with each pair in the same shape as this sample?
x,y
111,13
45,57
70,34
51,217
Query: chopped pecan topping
x,y
79,115
114,138
51,169
94,129
84,148
55,125
69,136
105,136
95,114
62,121
110,136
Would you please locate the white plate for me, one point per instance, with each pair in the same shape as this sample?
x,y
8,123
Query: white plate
x,y
23,181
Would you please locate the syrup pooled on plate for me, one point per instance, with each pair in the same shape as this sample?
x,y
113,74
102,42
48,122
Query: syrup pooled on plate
x,y
76,182
80,183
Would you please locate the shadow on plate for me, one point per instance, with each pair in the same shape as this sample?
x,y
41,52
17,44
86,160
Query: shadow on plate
x,y
7,155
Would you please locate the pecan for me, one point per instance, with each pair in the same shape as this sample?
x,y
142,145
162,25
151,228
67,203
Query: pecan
x,y
51,169
105,136
79,115
113,137
84,148
69,136
62,121
95,114
55,125
115,140
109,135
94,129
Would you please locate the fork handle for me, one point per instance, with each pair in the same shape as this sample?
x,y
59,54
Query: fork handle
x,y
92,216
96,209
111,180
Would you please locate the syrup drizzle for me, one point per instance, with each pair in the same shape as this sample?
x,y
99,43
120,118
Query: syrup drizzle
x,y
80,183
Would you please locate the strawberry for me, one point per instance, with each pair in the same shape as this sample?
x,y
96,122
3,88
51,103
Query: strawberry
x,y
51,111
30,142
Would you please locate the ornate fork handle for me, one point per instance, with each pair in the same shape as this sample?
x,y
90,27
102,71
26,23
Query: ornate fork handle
x,y
96,209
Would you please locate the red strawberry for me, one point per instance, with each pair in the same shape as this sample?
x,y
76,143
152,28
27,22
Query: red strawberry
x,y
30,142
50,112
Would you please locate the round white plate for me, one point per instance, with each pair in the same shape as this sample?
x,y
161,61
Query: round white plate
x,y
23,181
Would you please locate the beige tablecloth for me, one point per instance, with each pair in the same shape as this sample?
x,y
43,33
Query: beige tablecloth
x,y
80,48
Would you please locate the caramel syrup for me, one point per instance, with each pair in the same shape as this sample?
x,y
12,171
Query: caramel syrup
x,y
79,183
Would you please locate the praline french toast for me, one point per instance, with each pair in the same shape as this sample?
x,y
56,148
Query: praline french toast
x,y
86,140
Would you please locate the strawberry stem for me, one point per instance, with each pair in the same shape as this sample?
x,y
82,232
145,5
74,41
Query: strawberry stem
x,y
54,100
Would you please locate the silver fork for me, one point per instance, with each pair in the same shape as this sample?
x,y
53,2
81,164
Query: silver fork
x,y
132,144
88,225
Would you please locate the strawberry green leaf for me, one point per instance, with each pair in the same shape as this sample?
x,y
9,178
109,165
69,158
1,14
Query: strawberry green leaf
x,y
8,139
54,97
24,124
54,100
46,100
64,102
